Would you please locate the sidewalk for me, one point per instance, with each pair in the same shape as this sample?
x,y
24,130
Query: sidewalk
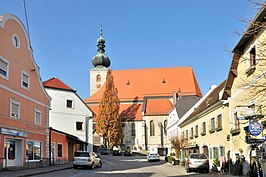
x,y
34,171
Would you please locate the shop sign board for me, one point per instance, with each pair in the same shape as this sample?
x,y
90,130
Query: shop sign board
x,y
255,128
13,132
244,111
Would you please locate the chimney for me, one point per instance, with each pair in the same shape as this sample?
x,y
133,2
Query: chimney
x,y
174,97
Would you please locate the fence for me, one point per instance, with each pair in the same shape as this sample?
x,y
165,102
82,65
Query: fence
x,y
42,162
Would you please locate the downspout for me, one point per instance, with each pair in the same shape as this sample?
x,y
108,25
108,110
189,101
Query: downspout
x,y
50,148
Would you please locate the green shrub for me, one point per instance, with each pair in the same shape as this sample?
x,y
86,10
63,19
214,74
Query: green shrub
x,y
216,162
170,159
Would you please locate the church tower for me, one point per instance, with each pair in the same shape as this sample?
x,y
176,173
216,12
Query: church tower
x,y
101,63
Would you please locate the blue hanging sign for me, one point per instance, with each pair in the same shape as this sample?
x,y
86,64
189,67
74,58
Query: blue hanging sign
x,y
13,132
255,128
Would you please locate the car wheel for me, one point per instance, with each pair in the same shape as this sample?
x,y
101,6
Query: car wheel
x,y
92,166
100,164
75,167
188,170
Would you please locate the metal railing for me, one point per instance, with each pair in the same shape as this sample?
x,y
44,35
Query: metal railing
x,y
41,162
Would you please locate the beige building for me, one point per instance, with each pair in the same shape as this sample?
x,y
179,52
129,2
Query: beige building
x,y
206,129
245,91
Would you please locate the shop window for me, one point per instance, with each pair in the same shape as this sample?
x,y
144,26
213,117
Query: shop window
x,y
33,150
69,103
37,116
79,125
215,152
152,128
4,68
25,80
59,150
14,109
222,151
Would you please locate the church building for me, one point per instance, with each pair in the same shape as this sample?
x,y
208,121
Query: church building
x,y
146,98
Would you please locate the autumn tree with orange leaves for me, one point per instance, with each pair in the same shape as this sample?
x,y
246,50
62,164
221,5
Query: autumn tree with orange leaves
x,y
108,123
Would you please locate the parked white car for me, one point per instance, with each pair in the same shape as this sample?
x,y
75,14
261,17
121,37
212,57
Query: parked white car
x,y
86,159
153,157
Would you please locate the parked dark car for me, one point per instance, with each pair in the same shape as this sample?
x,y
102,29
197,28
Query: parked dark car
x,y
127,153
104,151
116,152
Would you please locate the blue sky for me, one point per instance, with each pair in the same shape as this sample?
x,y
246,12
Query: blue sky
x,y
138,34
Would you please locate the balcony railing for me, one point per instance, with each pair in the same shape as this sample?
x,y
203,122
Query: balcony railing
x,y
235,131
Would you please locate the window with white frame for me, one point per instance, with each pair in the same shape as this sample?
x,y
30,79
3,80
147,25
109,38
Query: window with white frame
x,y
196,134
25,80
69,103
212,124
4,68
59,150
15,41
191,132
203,128
14,108
37,116
219,122
79,125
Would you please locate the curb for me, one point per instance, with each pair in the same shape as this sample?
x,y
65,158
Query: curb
x,y
43,172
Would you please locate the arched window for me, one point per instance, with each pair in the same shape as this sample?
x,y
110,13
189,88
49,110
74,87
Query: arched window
x,y
133,130
98,78
164,126
152,128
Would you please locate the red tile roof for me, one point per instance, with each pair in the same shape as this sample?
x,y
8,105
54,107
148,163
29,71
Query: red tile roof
x,y
158,106
127,112
151,82
57,84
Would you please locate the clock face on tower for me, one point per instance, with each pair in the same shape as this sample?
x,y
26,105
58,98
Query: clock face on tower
x,y
98,85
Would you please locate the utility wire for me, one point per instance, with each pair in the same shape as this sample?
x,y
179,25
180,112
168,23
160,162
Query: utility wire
x,y
27,23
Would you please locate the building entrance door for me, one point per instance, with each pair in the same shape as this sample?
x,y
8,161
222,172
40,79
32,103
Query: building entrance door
x,y
10,152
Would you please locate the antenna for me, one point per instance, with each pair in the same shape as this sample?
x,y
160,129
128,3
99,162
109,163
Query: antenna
x,y
27,23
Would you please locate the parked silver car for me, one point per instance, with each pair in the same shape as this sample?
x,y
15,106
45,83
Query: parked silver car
x,y
86,159
197,162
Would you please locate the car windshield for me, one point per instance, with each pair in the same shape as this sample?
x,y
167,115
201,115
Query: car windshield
x,y
153,154
82,154
198,156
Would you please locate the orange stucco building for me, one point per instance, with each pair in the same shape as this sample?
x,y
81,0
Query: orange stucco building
x,y
24,104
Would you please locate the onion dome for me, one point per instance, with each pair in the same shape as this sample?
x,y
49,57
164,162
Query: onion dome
x,y
100,58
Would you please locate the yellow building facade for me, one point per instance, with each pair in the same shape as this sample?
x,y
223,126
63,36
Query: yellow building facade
x,y
206,130
245,91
